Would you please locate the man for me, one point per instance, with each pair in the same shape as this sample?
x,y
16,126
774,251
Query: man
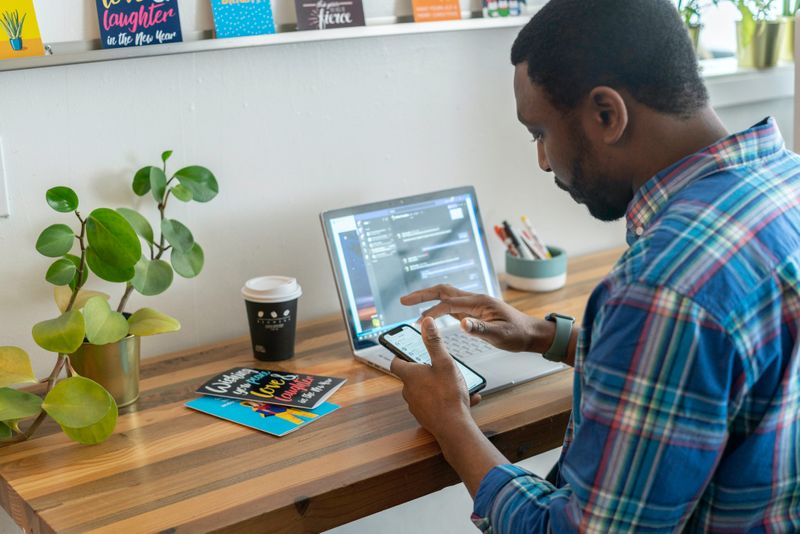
x,y
686,411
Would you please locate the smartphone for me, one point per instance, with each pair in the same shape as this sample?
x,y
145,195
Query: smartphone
x,y
406,342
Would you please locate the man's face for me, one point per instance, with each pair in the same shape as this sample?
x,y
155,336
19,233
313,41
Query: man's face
x,y
565,148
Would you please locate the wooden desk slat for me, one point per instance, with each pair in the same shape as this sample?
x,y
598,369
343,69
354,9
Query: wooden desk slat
x,y
169,468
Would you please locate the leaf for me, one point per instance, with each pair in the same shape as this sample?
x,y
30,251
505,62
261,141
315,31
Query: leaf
x,y
166,155
55,241
141,181
152,277
61,272
103,326
15,404
108,272
63,334
188,265
158,183
62,295
15,367
77,402
84,276
181,193
138,222
5,431
98,432
62,199
177,235
113,238
200,181
149,322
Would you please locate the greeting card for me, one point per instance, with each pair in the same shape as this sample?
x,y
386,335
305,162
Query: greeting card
x,y
237,18
432,10
138,22
19,30
327,14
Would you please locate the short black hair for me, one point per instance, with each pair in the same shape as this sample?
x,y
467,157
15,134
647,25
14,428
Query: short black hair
x,y
641,46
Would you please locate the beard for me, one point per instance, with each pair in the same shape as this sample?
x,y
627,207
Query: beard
x,y
604,197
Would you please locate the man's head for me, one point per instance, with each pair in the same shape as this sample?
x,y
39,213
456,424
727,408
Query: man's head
x,y
591,77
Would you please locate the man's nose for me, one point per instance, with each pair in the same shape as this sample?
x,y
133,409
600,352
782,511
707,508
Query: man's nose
x,y
543,163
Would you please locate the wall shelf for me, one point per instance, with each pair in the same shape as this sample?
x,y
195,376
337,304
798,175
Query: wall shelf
x,y
90,52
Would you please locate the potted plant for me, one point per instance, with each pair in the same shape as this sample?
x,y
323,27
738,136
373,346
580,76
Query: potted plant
x,y
99,347
789,13
691,12
758,36
12,24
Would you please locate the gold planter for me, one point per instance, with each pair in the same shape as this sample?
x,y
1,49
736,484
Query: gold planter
x,y
114,366
762,48
787,50
694,35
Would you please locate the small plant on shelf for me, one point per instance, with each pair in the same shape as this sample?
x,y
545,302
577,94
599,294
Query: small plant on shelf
x,y
12,25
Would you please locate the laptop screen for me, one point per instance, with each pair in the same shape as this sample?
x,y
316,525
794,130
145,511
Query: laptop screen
x,y
383,251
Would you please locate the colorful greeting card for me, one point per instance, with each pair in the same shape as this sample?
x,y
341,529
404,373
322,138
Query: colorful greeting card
x,y
503,8
19,30
432,10
276,387
327,14
275,420
237,18
138,22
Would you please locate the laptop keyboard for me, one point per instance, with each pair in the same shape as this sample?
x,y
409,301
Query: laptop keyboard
x,y
467,347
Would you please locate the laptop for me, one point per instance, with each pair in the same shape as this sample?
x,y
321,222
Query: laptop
x,y
382,251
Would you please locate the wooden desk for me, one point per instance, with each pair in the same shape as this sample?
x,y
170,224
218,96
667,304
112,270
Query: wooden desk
x,y
168,468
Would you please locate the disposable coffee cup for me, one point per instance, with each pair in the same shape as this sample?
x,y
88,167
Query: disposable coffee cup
x,y
271,303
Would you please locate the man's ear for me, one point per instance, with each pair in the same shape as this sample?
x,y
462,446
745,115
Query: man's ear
x,y
609,113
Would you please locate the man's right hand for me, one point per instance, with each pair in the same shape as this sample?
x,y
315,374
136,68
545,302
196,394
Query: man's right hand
x,y
488,318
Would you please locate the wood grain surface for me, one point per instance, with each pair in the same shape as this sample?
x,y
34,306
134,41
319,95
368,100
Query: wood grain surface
x,y
168,468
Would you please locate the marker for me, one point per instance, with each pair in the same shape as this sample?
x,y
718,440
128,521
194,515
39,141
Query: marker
x,y
526,238
506,241
512,235
535,238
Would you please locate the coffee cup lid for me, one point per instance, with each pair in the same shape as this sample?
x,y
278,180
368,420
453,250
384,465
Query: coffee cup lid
x,y
271,289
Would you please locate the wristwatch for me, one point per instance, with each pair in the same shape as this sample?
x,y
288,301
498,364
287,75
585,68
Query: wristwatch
x,y
558,350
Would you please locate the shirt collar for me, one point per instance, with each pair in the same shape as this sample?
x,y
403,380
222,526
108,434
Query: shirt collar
x,y
758,142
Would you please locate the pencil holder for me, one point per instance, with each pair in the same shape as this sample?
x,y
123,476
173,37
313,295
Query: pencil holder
x,y
537,275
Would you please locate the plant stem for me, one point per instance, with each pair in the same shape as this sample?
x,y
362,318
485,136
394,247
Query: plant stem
x,y
125,296
81,264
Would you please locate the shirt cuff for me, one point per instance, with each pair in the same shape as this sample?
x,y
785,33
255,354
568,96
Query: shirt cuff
x,y
491,484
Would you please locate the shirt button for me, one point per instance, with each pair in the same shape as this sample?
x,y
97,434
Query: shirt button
x,y
639,230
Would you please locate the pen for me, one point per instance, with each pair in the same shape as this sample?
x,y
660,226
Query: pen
x,y
529,242
535,238
506,241
512,235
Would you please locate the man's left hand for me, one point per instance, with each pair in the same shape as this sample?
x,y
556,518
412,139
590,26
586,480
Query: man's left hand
x,y
436,394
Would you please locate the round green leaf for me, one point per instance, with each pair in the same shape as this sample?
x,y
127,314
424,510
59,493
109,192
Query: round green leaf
x,y
62,295
138,222
15,367
98,432
63,334
149,322
158,183
5,431
177,235
61,272
141,181
103,326
166,155
200,181
55,241
152,277
181,193
15,404
113,238
188,265
105,271
76,261
62,199
77,402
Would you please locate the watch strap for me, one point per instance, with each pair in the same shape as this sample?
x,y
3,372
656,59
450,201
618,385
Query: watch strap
x,y
558,350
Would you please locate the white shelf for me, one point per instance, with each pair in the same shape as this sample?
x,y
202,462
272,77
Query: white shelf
x,y
90,52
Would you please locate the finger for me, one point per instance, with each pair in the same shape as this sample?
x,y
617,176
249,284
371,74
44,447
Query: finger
x,y
400,368
433,342
474,399
432,293
469,305
482,329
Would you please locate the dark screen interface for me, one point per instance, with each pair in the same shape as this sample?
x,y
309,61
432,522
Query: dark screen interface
x,y
388,253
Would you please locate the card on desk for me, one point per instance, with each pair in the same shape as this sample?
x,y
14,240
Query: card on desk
x,y
275,420
295,390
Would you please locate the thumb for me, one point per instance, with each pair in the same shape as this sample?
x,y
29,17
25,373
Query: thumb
x,y
434,343
481,329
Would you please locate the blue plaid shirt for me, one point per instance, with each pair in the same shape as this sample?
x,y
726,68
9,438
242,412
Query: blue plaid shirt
x,y
686,409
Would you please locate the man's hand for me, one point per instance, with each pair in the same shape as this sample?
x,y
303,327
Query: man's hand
x,y
491,319
436,394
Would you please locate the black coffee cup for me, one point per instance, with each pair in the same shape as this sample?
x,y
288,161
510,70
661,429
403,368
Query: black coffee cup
x,y
271,303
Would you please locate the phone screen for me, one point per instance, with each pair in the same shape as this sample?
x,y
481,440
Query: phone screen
x,y
409,342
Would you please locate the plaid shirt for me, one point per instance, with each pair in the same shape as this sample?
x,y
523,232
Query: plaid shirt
x,y
686,409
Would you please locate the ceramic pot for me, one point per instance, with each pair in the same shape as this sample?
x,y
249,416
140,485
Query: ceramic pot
x,y
761,48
